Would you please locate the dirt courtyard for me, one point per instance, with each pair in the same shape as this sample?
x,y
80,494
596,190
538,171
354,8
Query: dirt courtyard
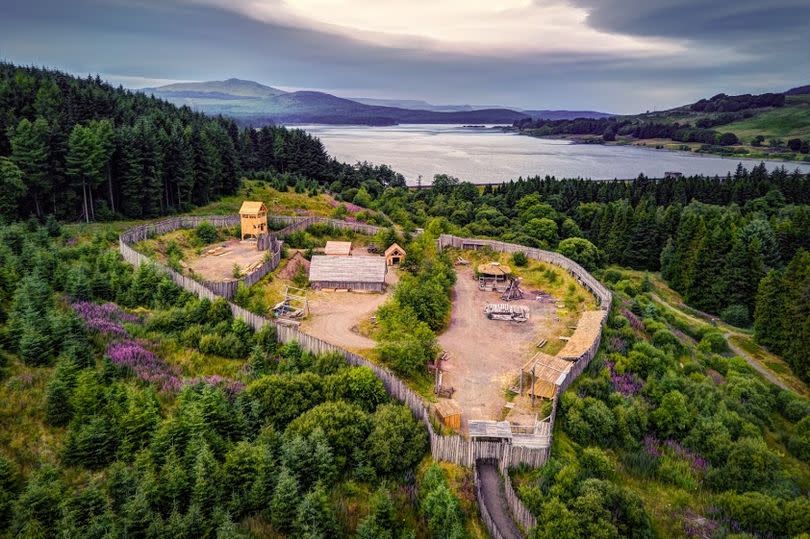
x,y
219,266
486,355
335,315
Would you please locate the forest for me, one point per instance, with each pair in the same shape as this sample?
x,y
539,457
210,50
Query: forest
x,y
80,149
131,408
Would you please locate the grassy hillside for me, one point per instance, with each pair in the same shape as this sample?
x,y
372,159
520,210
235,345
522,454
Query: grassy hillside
x,y
791,121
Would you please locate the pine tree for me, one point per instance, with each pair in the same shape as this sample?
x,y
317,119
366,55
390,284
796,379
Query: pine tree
x,y
29,151
315,518
284,505
12,189
769,316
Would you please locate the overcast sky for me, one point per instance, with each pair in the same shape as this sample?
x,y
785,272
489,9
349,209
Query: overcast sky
x,y
619,56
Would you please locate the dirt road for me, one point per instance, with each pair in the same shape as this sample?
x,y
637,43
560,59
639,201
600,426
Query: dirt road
x,y
333,315
486,355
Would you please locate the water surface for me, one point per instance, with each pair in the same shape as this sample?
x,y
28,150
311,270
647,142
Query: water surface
x,y
492,156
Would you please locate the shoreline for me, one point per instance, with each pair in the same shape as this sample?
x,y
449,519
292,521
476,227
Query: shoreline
x,y
640,143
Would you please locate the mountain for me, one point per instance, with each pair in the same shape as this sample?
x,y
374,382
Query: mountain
x,y
256,104
228,88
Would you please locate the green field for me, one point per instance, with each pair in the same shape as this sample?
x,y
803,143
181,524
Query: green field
x,y
791,121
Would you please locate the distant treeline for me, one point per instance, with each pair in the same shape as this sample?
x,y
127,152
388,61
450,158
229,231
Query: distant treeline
x,y
83,149
730,109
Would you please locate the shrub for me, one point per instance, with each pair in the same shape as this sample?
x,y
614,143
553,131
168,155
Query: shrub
x,y
206,233
713,342
799,443
520,259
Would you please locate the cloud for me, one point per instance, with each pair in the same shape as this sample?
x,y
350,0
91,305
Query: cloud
x,y
531,54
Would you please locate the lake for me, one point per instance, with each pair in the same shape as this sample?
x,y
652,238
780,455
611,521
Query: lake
x,y
491,156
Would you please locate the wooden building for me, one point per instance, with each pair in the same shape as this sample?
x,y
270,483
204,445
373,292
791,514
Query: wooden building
x,y
253,219
360,273
394,255
495,271
543,375
449,413
338,248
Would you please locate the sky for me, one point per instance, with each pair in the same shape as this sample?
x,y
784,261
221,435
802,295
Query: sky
x,y
621,56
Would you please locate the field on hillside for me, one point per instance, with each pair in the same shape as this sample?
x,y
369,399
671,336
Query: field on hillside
x,y
790,121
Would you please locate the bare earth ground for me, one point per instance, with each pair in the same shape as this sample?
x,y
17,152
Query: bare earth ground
x,y
220,268
486,355
333,315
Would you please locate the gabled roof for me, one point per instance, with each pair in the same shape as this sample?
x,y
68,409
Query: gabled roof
x,y
347,269
252,206
338,248
447,408
392,248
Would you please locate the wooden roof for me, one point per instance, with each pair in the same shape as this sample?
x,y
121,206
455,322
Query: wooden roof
x,y
447,408
550,369
252,207
347,269
393,247
588,327
338,248
489,429
494,269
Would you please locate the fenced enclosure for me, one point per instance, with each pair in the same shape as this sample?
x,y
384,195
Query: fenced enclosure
x,y
453,448
226,289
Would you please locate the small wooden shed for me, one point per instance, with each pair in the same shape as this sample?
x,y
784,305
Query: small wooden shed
x,y
253,219
338,248
449,413
394,255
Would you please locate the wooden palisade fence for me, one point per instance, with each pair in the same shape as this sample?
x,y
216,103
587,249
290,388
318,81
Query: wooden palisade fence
x,y
454,448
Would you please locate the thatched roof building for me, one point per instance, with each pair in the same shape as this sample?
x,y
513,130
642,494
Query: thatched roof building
x,y
494,270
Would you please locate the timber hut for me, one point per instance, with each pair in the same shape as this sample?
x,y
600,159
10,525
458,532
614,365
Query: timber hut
x,y
494,271
253,219
543,375
449,413
359,273
394,255
585,335
338,248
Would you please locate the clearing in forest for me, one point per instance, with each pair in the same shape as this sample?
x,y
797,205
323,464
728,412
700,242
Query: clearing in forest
x,y
485,355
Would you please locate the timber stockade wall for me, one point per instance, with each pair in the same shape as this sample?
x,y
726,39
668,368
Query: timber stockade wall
x,y
453,448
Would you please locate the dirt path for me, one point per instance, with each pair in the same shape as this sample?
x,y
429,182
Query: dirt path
x,y
493,498
727,333
334,315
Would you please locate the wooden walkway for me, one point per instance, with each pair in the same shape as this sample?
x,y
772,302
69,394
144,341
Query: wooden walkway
x,y
492,501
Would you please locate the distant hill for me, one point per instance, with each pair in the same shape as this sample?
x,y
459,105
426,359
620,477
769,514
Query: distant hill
x,y
566,114
218,89
799,90
255,103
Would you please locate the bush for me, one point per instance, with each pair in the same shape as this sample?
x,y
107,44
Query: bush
x,y
520,259
581,251
799,443
713,342
206,233
736,315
